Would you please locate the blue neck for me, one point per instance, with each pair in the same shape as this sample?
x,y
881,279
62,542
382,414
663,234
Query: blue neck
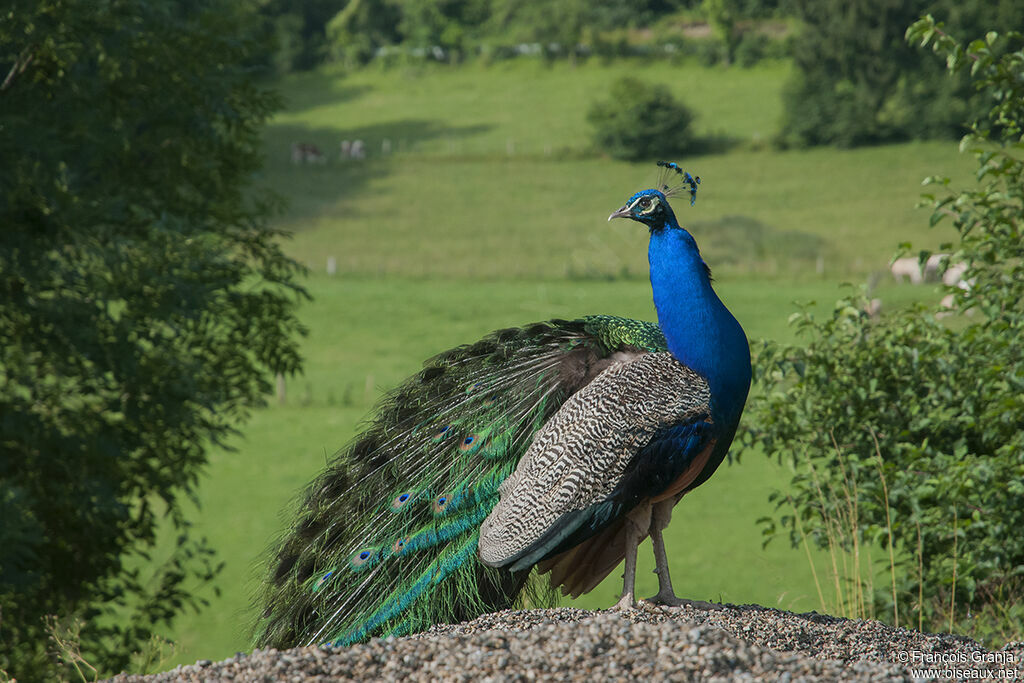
x,y
701,332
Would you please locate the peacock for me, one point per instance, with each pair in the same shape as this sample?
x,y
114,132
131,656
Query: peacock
x,y
556,447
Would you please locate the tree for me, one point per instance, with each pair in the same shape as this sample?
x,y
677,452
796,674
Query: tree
x,y
722,15
906,429
856,81
144,302
443,23
298,29
356,31
558,27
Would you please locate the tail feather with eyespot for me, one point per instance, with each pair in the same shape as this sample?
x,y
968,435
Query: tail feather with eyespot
x,y
386,538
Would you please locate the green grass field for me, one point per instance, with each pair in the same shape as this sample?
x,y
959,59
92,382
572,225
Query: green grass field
x,y
474,111
452,236
451,198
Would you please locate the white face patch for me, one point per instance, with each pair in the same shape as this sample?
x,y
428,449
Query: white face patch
x,y
644,204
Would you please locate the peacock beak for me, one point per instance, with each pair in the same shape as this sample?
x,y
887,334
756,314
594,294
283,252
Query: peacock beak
x,y
621,213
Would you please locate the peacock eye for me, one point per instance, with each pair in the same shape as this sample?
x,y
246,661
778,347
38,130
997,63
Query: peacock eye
x,y
645,203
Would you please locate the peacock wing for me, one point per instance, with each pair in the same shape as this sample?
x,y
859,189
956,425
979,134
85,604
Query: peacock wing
x,y
628,435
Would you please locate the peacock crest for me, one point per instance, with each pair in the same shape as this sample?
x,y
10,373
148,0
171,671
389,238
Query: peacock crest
x,y
674,181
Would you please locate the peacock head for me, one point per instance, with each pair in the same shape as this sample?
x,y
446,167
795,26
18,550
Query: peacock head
x,y
651,207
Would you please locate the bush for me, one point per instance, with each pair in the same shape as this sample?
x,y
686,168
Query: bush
x,y
751,48
909,429
146,303
640,121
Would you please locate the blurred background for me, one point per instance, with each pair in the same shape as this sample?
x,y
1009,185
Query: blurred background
x,y
447,167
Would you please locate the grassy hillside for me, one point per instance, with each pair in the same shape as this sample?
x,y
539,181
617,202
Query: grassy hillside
x,y
535,218
450,195
458,232
476,110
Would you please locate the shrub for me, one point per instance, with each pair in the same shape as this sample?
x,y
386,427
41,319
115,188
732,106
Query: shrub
x,y
921,420
640,121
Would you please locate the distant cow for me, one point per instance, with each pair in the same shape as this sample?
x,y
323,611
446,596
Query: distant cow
x,y
907,267
954,276
308,153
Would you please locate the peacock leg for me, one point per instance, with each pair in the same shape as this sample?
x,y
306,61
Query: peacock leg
x,y
660,517
637,522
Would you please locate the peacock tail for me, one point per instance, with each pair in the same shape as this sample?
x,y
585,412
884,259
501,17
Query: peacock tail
x,y
387,539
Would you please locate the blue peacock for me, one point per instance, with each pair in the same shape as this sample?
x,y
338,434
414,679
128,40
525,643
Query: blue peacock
x,y
556,447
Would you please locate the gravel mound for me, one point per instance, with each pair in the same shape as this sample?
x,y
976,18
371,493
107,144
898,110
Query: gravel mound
x,y
730,643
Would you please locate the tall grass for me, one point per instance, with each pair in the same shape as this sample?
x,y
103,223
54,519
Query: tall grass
x,y
65,638
888,531
852,571
852,575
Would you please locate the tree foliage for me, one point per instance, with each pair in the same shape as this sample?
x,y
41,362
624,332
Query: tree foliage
x,y
640,120
857,82
445,23
722,15
144,300
567,23
309,32
363,26
298,31
919,421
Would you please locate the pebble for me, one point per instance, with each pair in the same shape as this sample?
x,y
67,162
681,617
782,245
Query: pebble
x,y
731,643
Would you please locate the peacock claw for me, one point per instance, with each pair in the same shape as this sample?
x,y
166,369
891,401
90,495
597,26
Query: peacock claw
x,y
671,600
625,604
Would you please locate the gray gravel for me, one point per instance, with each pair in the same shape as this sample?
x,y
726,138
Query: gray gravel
x,y
732,643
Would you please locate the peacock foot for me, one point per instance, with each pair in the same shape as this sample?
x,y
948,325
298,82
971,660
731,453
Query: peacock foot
x,y
625,604
669,599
